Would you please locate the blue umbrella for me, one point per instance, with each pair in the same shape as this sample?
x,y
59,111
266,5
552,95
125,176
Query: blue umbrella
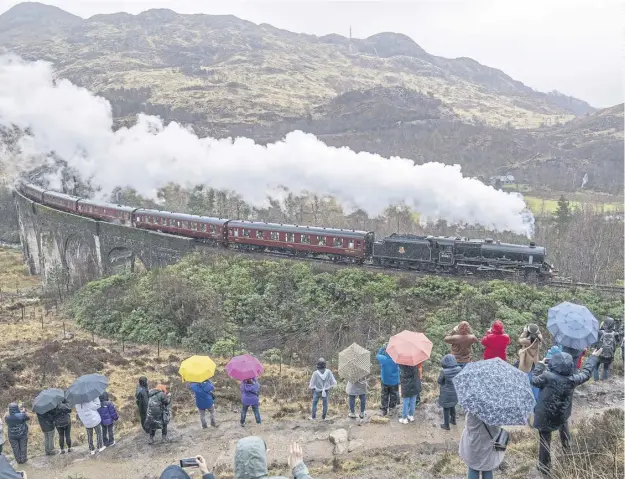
x,y
572,325
496,392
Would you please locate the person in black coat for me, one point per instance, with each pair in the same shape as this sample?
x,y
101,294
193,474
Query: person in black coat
x,y
556,382
46,422
17,425
63,424
410,381
142,398
448,398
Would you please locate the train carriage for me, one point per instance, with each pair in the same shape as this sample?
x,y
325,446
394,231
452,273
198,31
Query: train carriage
x,y
205,228
60,200
335,244
32,192
100,210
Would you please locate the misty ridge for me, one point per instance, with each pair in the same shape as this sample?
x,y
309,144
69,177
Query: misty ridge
x,y
384,94
76,126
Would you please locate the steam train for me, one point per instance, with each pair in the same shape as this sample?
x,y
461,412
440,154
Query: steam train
x,y
434,254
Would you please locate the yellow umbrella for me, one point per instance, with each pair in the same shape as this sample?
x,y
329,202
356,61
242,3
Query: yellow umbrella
x,y
197,369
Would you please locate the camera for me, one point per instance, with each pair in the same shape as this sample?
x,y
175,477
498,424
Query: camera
x,y
189,462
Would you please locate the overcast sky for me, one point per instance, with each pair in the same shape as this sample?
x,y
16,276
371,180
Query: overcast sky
x,y
573,46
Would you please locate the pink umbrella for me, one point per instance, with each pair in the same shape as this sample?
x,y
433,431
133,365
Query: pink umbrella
x,y
244,367
409,348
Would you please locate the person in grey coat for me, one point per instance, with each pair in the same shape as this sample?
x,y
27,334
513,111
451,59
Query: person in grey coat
x,y
476,448
448,398
250,460
353,390
321,381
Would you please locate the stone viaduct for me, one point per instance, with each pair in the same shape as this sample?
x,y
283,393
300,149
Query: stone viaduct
x,y
63,246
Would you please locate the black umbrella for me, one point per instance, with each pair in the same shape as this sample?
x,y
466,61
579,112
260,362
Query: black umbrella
x,y
86,388
6,469
47,400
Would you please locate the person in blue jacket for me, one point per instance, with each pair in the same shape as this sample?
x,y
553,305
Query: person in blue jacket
x,y
205,400
389,375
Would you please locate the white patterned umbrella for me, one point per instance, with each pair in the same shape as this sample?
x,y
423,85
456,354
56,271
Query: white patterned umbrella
x,y
496,392
572,325
354,363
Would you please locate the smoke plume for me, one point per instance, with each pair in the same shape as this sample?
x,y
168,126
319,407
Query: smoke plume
x,y
76,125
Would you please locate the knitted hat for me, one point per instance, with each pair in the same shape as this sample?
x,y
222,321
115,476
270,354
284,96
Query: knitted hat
x,y
553,350
533,329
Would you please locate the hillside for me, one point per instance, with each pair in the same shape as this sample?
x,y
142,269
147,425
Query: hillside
x,y
221,70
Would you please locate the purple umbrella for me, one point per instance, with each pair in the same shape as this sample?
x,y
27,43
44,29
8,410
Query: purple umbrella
x,y
244,367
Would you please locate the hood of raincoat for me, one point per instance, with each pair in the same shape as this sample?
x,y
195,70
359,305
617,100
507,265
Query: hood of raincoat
x,y
608,324
497,327
449,361
174,472
250,458
14,408
463,328
562,364
143,381
104,397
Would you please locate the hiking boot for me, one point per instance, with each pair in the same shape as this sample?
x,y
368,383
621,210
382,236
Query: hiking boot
x,y
69,449
63,451
403,420
213,424
411,418
312,418
362,415
351,415
151,440
452,422
445,427
92,452
102,449
242,424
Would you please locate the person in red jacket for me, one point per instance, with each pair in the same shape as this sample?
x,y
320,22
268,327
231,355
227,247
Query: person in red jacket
x,y
496,342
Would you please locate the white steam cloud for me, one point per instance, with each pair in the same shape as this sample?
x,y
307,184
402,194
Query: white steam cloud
x,y
77,125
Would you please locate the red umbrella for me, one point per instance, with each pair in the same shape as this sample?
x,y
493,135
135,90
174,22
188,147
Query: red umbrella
x,y
244,367
409,348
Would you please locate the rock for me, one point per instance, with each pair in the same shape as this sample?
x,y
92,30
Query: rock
x,y
380,420
68,336
338,437
320,436
356,443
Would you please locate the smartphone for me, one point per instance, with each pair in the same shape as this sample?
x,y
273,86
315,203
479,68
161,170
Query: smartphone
x,y
190,462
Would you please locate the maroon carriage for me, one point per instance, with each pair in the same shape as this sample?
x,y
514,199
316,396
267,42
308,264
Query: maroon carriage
x,y
33,192
301,241
60,201
100,210
202,227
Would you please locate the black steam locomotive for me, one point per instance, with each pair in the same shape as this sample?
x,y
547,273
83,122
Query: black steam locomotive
x,y
462,256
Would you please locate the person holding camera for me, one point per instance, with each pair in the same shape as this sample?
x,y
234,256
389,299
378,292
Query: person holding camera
x,y
557,381
177,472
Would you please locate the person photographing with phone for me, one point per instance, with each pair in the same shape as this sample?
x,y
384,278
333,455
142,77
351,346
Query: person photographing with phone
x,y
177,472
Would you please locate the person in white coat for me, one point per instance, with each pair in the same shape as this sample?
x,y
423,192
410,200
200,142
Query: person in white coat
x,y
89,416
476,448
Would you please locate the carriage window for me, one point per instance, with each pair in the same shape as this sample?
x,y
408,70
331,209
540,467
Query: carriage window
x,y
338,242
260,234
274,235
351,244
321,240
212,228
246,232
305,239
290,237
357,244
236,232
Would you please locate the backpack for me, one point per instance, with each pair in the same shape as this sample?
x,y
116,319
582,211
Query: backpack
x,y
608,344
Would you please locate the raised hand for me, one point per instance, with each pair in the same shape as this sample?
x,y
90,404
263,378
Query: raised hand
x,y
296,455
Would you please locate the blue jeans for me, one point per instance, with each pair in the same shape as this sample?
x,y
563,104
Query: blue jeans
x,y
408,406
324,402
352,403
607,366
244,413
473,474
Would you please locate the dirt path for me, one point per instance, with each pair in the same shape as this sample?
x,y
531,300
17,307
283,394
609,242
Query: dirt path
x,y
133,458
